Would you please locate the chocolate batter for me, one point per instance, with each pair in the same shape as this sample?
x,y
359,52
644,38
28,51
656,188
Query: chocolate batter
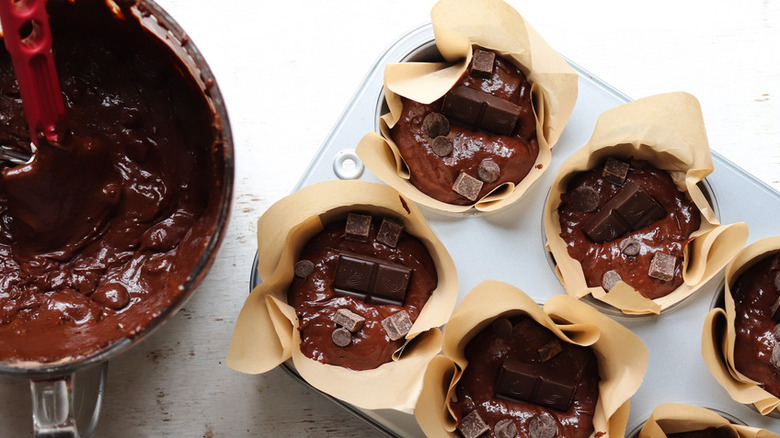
x,y
100,231
315,302
710,432
668,235
515,154
487,351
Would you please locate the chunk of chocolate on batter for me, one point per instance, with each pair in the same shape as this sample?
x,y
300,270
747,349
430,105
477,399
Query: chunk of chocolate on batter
x,y
584,199
475,108
776,331
435,125
615,171
662,266
467,186
303,268
472,425
358,227
397,325
543,426
482,64
441,146
505,428
610,279
776,311
604,226
630,209
630,247
341,337
550,350
488,171
372,280
533,383
775,359
389,232
349,320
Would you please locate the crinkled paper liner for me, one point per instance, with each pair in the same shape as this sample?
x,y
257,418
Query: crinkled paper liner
x,y
672,418
266,332
718,337
668,131
622,357
457,25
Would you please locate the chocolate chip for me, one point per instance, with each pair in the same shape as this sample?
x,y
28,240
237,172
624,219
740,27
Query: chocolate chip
x,y
389,232
488,171
441,146
505,428
776,311
358,227
615,171
776,331
349,320
467,186
303,268
397,325
111,295
630,247
482,64
662,266
610,279
543,426
341,337
472,425
550,350
584,199
435,124
502,327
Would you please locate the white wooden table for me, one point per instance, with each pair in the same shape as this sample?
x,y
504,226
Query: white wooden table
x,y
288,69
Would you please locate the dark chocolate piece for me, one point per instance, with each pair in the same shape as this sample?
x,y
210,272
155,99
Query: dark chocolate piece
x,y
550,350
662,266
472,425
533,383
389,232
584,199
775,359
372,280
505,428
615,171
605,226
341,337
630,209
303,268
776,331
610,279
349,320
478,109
777,281
502,327
488,171
397,325
630,247
435,125
467,186
543,426
776,311
482,64
358,227
441,146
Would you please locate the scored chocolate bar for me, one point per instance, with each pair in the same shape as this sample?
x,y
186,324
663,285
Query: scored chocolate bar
x,y
482,110
371,280
530,382
630,209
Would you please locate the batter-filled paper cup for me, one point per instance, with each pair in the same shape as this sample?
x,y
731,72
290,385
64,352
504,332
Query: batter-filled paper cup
x,y
672,418
719,335
622,357
266,332
668,131
458,25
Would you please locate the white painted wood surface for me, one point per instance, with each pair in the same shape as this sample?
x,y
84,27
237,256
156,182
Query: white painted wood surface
x,y
288,69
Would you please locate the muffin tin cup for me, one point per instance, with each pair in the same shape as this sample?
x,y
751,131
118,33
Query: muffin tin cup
x,y
671,418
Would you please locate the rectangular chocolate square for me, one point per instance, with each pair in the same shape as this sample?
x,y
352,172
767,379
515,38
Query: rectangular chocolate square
x,y
555,394
500,116
615,171
358,227
477,109
606,225
516,381
371,279
467,186
662,266
353,274
463,104
389,232
482,63
472,425
636,207
349,320
397,325
390,284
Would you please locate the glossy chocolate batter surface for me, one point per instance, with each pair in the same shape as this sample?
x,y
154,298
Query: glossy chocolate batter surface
x,y
100,231
668,235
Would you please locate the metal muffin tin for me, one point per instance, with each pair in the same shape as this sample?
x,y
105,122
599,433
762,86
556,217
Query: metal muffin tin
x,y
508,246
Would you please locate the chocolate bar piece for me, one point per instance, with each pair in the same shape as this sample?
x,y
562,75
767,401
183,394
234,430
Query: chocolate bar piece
x,y
776,331
776,311
550,350
371,280
358,227
397,325
662,266
488,171
389,232
777,281
630,247
341,337
529,382
615,171
349,320
505,428
584,199
303,268
478,109
467,186
441,146
482,64
775,359
610,279
435,125
630,209
472,425
543,426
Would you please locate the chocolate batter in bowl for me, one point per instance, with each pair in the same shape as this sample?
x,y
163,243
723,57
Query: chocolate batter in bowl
x,y
105,236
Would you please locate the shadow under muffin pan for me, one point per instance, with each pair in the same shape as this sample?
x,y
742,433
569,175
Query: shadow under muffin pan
x,y
506,245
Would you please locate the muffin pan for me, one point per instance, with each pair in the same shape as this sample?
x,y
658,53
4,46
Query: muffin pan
x,y
507,245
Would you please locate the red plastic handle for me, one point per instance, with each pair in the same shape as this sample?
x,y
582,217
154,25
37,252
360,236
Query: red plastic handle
x,y
28,39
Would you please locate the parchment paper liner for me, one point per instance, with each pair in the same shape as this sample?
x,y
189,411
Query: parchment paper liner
x,y
622,357
719,334
457,25
672,418
668,131
266,331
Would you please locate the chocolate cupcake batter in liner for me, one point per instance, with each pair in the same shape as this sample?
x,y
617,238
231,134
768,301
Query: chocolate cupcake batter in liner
x,y
676,418
460,25
667,131
621,355
266,332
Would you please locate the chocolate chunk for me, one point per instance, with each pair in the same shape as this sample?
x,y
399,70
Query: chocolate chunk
x,y
615,171
397,325
533,383
390,284
777,281
543,426
389,232
341,337
441,146
349,320
775,359
472,425
605,226
358,227
662,266
776,311
467,186
505,428
630,247
372,280
584,199
630,209
488,171
478,109
610,279
303,268
502,327
435,125
776,331
482,64
550,350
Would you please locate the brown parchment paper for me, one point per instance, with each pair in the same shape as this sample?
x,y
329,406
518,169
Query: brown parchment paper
x,y
672,418
621,354
266,332
719,334
457,25
668,131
